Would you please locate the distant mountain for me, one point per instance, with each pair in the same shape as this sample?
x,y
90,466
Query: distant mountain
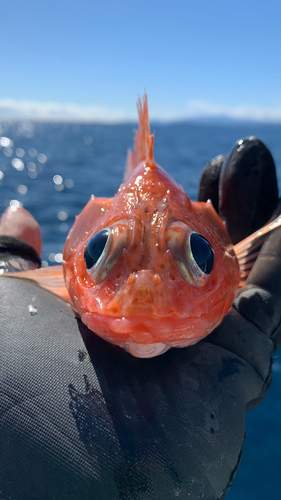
x,y
218,120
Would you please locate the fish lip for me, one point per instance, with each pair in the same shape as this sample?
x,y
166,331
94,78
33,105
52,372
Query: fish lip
x,y
123,324
143,330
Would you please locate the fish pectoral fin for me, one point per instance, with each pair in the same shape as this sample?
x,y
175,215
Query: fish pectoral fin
x,y
248,249
51,278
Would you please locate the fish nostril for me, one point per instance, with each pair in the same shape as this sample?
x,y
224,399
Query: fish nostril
x,y
118,274
172,276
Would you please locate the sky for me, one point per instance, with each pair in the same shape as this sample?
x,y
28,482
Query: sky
x,y
89,61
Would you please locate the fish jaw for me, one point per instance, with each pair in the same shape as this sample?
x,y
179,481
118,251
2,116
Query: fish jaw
x,y
116,333
144,336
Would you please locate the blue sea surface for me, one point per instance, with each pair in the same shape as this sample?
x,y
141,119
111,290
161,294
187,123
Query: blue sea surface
x,y
53,169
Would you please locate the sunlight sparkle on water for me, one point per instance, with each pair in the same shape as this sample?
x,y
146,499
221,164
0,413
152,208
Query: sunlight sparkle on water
x,y
20,152
8,152
42,158
5,142
17,164
88,140
32,175
55,257
31,166
22,189
69,183
57,179
58,258
32,152
62,215
64,227
14,204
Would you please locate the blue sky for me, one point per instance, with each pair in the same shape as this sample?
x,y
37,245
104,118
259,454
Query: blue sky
x,y
89,60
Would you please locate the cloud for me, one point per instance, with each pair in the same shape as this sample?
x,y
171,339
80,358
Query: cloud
x,y
12,109
199,108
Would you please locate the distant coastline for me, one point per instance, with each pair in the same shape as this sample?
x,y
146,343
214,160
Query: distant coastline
x,y
192,111
200,120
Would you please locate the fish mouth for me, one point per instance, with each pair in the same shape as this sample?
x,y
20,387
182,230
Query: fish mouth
x,y
147,332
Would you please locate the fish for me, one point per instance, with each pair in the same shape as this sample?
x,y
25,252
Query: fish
x,y
149,269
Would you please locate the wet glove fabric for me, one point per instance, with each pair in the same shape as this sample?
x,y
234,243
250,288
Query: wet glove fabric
x,y
90,421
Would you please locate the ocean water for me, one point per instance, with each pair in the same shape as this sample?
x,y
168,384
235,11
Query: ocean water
x,y
52,170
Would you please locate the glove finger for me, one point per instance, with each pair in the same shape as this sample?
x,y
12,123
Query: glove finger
x,y
248,190
209,181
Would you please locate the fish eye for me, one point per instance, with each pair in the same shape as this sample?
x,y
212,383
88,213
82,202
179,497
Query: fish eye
x,y
95,248
192,253
104,249
202,253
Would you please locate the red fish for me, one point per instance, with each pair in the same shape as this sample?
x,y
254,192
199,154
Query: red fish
x,y
148,269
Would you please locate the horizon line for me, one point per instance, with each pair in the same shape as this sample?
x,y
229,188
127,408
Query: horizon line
x,y
12,110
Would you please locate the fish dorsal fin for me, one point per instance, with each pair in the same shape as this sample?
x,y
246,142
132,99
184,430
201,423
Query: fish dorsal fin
x,y
144,141
51,278
248,249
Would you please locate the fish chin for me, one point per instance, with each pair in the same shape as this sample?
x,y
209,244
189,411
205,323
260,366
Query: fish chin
x,y
152,350
144,337
145,350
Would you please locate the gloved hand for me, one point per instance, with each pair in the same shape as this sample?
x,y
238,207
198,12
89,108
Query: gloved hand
x,y
82,419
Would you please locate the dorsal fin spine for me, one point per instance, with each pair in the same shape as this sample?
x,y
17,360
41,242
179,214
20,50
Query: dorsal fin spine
x,y
144,141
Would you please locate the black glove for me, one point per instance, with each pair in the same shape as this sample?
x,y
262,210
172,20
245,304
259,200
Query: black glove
x,y
242,186
81,419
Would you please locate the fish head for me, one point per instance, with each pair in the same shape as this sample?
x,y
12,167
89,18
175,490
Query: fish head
x,y
150,269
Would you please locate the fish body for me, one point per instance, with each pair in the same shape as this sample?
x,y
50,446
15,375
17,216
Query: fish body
x,y
146,292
